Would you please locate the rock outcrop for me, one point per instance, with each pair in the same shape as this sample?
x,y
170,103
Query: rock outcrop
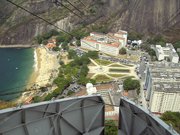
x,y
143,16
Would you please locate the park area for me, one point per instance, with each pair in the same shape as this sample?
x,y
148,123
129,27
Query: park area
x,y
106,71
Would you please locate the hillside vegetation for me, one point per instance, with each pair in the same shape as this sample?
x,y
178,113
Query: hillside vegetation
x,y
145,17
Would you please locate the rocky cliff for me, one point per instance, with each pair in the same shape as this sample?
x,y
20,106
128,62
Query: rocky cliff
x,y
144,16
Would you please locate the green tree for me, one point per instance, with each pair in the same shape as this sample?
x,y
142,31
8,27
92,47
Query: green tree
x,y
172,118
48,97
146,47
130,84
44,42
92,54
92,81
61,62
110,127
177,45
62,37
157,40
122,51
54,32
134,36
102,28
78,43
44,37
36,99
79,33
39,39
65,46
56,48
71,54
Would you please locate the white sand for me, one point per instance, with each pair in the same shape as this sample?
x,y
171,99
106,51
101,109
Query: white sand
x,y
46,67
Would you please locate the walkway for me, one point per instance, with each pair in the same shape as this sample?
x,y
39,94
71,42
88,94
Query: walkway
x,y
98,69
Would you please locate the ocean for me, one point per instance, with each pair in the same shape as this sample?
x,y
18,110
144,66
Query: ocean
x,y
16,67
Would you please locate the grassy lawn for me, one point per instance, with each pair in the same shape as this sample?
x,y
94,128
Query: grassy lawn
x,y
90,75
116,65
132,77
102,62
119,70
129,65
102,78
117,75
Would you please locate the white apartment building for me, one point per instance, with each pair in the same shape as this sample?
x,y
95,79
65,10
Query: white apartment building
x,y
165,96
162,84
166,52
108,43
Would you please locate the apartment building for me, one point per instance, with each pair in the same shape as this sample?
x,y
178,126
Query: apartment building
x,y
167,52
162,84
165,96
107,43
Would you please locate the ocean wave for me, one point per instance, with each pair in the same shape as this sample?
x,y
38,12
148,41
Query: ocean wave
x,y
35,60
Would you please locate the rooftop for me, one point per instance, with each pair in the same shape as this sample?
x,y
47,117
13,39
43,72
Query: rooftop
x,y
162,71
167,87
168,50
164,65
104,90
166,75
110,39
103,41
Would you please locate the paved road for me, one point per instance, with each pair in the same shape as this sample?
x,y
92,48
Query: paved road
x,y
142,65
142,96
142,69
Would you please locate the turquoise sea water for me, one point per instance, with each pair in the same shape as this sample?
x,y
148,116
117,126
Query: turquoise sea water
x,y
16,66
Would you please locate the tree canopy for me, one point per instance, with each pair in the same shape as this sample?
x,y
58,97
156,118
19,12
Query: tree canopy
x,y
44,37
130,84
71,54
146,47
78,43
134,36
77,70
177,45
157,40
122,51
172,118
110,127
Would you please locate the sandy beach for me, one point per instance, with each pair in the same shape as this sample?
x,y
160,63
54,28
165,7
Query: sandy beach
x,y
45,69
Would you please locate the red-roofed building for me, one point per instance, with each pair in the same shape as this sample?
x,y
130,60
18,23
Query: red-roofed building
x,y
51,43
108,43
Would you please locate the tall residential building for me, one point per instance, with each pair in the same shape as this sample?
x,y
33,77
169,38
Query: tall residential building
x,y
167,52
165,96
108,43
162,84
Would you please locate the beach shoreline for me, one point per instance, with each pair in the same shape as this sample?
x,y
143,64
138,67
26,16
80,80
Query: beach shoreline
x,y
34,73
46,64
18,46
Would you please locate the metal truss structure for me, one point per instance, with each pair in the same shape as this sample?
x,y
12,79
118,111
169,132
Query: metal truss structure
x,y
134,120
79,116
